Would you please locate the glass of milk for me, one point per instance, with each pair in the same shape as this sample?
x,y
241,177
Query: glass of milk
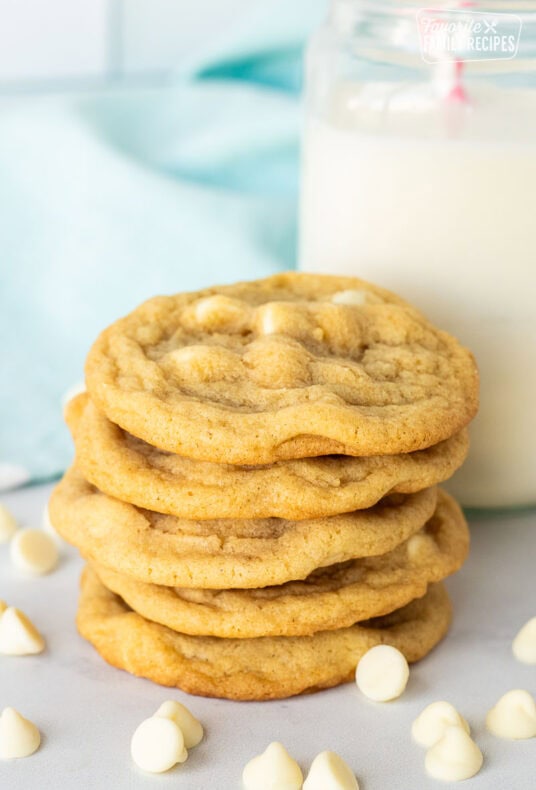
x,y
419,173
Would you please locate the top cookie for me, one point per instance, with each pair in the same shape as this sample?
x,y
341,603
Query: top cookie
x,y
292,366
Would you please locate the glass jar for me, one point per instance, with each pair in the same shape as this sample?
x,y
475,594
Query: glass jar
x,y
419,174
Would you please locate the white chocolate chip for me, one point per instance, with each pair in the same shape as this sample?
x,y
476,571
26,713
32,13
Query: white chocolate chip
x,y
218,312
157,745
184,355
382,673
421,547
72,392
8,525
18,635
18,736
274,768
206,308
429,727
355,298
454,757
514,716
329,772
269,324
524,645
33,551
190,727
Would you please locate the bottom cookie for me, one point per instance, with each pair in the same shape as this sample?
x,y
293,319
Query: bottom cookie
x,y
251,669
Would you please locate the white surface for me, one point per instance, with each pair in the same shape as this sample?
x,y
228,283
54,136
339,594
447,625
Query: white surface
x,y
87,711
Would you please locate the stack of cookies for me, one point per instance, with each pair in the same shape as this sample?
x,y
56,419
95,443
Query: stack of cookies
x,y
255,484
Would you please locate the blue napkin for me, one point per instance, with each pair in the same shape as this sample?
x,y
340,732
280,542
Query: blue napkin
x,y
107,198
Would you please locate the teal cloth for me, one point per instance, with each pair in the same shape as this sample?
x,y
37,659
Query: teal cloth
x,y
107,198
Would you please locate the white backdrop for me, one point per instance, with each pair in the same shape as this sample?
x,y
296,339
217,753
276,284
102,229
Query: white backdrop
x,y
43,42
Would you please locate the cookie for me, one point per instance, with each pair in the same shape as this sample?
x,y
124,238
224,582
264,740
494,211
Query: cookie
x,y
279,368
132,470
251,669
225,553
330,598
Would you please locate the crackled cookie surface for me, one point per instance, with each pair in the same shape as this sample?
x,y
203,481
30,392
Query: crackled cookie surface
x,y
281,368
225,553
132,470
330,598
249,669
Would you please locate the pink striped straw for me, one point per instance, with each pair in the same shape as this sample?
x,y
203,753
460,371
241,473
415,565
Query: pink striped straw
x,y
457,92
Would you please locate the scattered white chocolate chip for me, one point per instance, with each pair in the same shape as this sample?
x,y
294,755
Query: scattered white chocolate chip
x,y
8,525
524,645
382,673
429,727
18,635
72,392
18,736
33,551
274,768
157,745
513,716
329,772
454,757
190,727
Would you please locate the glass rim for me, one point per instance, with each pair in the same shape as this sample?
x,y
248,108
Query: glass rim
x,y
392,26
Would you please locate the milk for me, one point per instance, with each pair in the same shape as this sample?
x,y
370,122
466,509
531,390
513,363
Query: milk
x,y
439,205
